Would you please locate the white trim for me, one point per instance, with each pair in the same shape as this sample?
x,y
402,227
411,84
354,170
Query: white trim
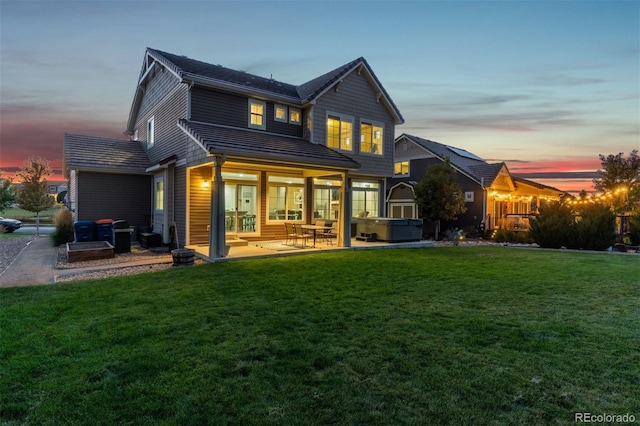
x,y
373,124
341,117
263,104
284,118
151,131
299,111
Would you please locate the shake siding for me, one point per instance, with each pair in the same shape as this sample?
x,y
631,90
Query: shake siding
x,y
356,98
169,139
157,87
114,196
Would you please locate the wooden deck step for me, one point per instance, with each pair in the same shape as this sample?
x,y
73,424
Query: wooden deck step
x,y
237,243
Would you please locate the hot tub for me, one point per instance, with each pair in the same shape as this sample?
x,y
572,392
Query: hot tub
x,y
392,230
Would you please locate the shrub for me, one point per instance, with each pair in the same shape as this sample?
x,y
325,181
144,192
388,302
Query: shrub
x,y
554,226
63,221
595,228
509,236
634,226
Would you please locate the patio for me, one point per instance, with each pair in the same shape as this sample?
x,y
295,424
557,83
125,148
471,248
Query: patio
x,y
256,249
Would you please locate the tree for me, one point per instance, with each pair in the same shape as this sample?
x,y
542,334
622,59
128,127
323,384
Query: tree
x,y
554,226
438,194
620,178
32,195
7,193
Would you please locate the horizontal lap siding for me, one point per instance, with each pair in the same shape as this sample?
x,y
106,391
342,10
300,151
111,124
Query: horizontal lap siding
x,y
114,196
199,206
226,109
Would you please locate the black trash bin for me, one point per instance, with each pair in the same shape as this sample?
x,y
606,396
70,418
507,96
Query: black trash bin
x,y
121,236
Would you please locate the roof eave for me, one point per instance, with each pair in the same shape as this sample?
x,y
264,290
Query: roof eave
x,y
239,88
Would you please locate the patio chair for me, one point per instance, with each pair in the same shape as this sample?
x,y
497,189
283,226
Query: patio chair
x,y
321,223
301,234
290,233
331,233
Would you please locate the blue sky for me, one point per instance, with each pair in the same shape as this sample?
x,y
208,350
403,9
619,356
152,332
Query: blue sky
x,y
545,86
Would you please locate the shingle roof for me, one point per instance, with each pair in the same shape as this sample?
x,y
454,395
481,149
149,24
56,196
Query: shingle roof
x,y
312,88
103,154
461,159
534,184
190,67
248,144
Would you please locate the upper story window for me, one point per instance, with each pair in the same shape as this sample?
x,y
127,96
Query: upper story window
x,y
371,135
401,168
295,116
280,113
339,132
257,114
151,132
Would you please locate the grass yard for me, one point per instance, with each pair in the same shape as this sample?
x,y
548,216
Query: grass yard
x,y
457,335
46,216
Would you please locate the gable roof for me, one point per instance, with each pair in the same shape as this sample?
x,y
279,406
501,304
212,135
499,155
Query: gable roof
x,y
94,153
463,160
190,70
265,147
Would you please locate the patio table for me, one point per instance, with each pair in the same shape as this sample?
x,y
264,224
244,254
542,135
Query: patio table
x,y
315,229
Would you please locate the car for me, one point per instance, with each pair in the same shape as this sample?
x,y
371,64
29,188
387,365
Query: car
x,y
9,225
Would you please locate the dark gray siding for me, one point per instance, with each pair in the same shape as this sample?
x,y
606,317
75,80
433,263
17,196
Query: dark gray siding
x,y
355,97
169,139
114,196
474,214
232,110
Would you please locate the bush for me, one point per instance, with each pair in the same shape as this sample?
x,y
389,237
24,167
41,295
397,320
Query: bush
x,y
595,228
63,221
554,226
634,226
509,236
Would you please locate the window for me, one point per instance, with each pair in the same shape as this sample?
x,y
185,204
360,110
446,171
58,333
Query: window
x,y
371,138
326,199
151,132
339,133
256,114
280,113
295,117
286,198
365,197
159,194
401,168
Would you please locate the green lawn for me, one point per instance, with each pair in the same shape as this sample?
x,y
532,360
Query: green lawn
x,y
46,216
458,335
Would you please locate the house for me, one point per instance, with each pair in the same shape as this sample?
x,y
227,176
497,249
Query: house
x,y
494,197
231,156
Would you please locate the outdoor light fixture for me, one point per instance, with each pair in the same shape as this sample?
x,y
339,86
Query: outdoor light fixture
x,y
205,183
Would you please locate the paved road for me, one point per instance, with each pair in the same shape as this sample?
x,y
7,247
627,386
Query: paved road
x,y
31,230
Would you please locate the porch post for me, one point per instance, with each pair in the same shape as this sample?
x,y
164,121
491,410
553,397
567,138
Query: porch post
x,y
217,235
346,213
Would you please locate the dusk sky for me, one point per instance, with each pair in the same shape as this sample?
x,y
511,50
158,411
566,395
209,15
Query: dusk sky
x,y
545,86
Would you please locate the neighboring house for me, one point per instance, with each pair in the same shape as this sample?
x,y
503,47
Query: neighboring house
x,y
232,156
494,198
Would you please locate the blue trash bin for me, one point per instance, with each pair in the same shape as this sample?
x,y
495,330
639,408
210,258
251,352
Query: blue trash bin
x,y
84,230
104,230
